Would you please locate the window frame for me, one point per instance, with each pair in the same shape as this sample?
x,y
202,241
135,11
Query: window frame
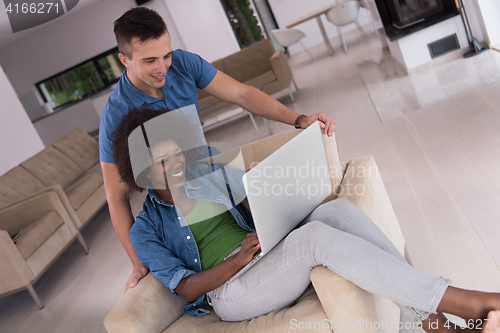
x,y
100,72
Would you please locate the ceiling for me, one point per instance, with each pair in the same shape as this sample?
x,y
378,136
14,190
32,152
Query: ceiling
x,y
7,36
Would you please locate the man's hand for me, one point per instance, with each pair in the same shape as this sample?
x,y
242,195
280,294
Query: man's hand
x,y
137,274
325,122
249,246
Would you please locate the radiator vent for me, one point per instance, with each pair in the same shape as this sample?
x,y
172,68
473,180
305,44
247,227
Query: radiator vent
x,y
443,46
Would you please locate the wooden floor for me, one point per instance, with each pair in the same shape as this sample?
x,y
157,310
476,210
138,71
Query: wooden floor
x,y
440,165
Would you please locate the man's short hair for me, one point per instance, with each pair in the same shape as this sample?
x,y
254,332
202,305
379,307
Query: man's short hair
x,y
139,22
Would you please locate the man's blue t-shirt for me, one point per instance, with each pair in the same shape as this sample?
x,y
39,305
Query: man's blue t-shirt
x,y
187,72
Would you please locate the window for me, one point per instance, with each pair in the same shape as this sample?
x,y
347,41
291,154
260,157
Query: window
x,y
82,80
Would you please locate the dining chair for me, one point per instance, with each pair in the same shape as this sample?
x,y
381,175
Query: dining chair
x,y
364,4
287,37
343,14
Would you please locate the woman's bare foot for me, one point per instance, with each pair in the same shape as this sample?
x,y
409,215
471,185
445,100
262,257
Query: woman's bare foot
x,y
470,305
492,324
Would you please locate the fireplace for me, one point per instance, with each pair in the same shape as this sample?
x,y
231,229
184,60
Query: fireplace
x,y
403,17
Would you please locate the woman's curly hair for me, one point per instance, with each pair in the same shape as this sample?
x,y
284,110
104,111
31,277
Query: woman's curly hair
x,y
120,147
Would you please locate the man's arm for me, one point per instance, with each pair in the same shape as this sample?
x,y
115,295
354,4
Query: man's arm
x,y
117,195
255,101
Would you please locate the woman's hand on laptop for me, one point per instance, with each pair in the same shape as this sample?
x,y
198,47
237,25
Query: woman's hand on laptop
x,y
326,122
248,249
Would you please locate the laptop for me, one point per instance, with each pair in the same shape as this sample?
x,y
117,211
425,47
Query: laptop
x,y
286,187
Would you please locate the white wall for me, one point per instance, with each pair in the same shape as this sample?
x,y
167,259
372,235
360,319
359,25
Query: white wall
x,y
18,138
61,44
69,41
203,27
489,12
286,10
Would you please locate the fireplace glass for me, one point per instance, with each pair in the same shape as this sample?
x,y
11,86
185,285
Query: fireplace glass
x,y
408,12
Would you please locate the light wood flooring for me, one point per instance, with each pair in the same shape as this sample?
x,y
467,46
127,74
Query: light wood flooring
x,y
440,165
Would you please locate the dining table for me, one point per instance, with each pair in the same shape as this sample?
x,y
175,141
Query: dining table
x,y
316,14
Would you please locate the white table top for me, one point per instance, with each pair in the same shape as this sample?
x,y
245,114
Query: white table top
x,y
313,14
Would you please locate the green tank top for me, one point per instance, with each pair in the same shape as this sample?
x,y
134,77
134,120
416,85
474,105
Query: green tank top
x,y
216,236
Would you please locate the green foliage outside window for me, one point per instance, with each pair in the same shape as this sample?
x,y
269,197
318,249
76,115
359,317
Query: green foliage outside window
x,y
73,85
243,21
82,80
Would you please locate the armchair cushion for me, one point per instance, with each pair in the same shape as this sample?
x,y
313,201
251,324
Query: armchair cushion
x,y
36,234
306,309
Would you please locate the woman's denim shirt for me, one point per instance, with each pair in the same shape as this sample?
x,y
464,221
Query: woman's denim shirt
x,y
162,238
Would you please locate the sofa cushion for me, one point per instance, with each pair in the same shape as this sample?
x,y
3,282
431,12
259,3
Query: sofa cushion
x,y
306,309
262,79
37,233
17,184
249,62
205,100
52,167
83,188
91,206
80,147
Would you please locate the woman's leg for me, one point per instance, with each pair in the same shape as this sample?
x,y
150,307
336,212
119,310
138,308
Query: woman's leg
x,y
343,215
346,216
284,273
472,306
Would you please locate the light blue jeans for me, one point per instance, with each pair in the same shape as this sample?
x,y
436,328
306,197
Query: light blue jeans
x,y
342,238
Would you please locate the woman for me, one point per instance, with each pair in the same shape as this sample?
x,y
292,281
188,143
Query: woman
x,y
187,236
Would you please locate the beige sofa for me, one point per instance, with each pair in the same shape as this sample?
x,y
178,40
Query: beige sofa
x,y
258,65
44,202
331,301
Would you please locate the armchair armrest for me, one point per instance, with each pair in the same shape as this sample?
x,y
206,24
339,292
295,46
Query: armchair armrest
x,y
33,208
363,186
14,272
281,68
148,307
57,189
65,202
343,301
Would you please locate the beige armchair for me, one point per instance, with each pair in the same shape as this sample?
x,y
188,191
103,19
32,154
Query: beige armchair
x,y
33,233
44,202
329,304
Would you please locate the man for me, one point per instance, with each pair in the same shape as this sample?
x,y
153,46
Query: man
x,y
158,77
